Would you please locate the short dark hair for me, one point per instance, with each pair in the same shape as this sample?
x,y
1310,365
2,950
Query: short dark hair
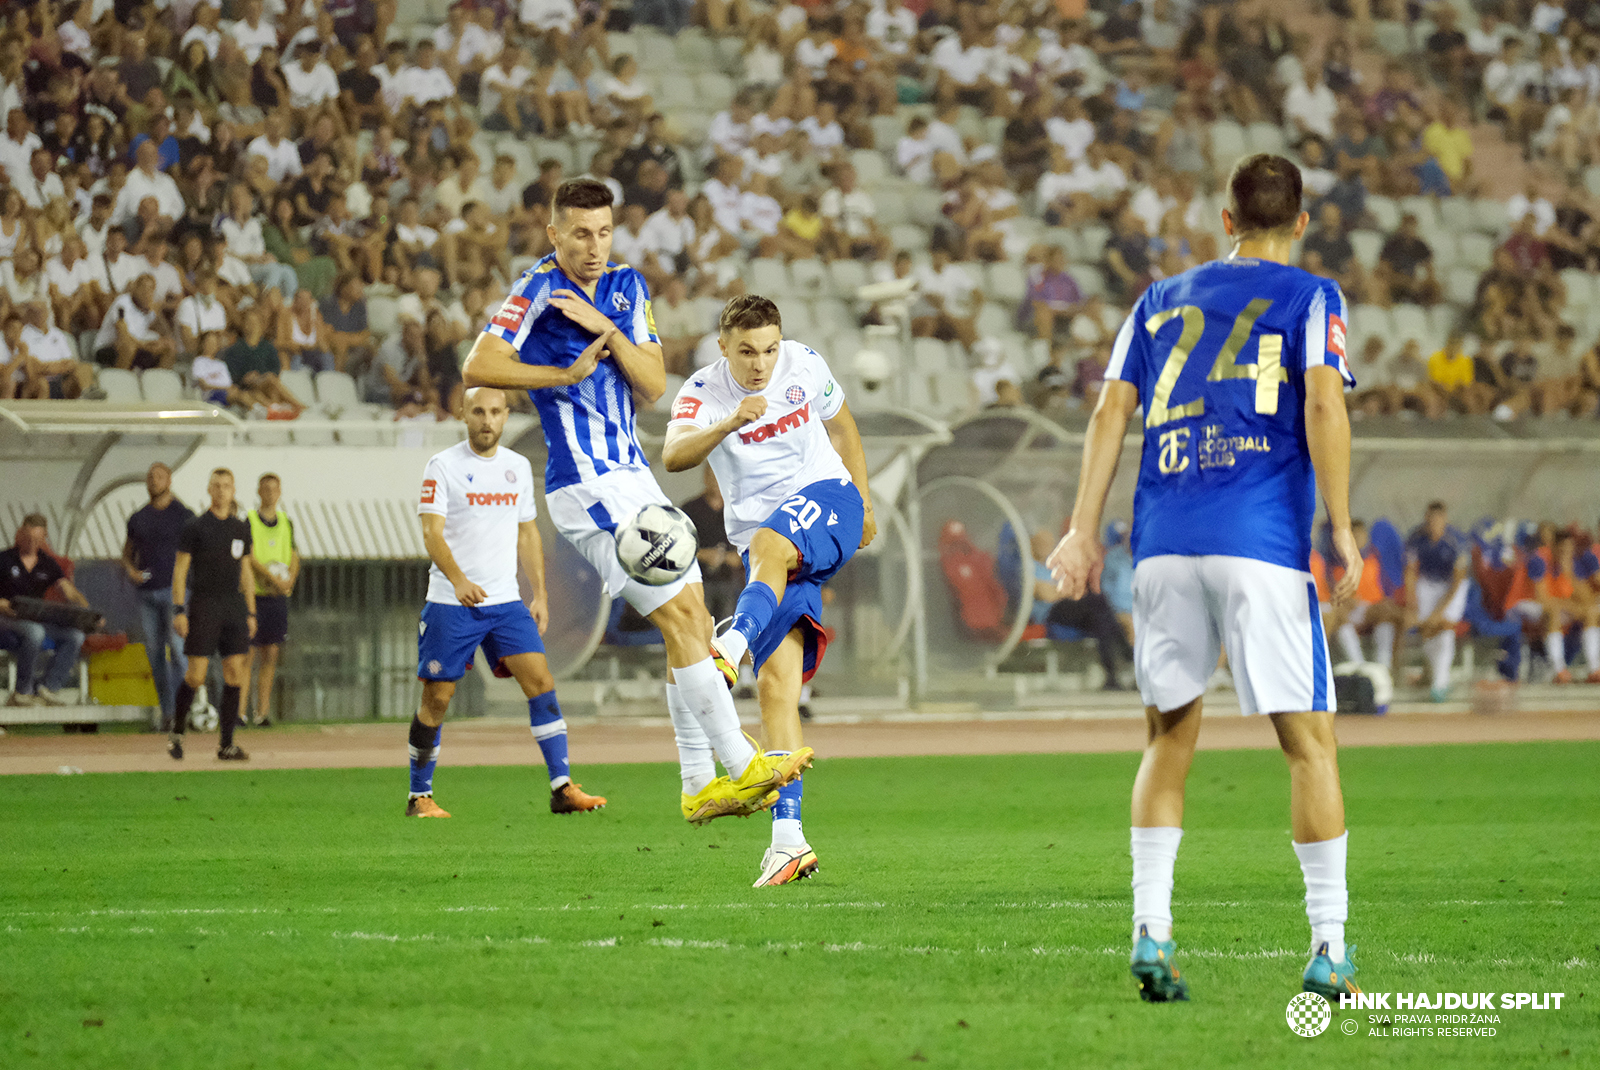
x,y
35,520
1263,194
581,193
1436,506
748,312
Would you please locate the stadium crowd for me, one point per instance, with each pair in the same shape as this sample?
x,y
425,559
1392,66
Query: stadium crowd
x,y
245,189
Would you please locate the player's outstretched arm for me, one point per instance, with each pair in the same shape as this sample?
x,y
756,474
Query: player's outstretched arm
x,y
1075,562
687,447
530,554
846,439
467,592
1328,440
494,362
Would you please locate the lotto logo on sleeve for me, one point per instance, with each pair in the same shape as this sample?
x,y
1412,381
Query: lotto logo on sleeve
x,y
686,409
429,487
1335,335
511,313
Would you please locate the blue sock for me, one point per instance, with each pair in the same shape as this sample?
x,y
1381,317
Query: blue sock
x,y
544,717
786,813
424,755
757,604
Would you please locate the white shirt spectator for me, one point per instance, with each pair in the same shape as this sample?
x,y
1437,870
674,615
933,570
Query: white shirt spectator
x,y
724,204
75,39
421,234
1314,107
626,246
963,65
243,240
141,324
200,314
1547,18
500,201
94,239
1544,213
20,290
545,15
307,89
50,345
947,138
986,381
664,236
69,280
814,57
123,270
1053,185
893,30
390,85
762,123
914,155
211,373
168,282
496,82
756,164
15,155
158,185
425,86
825,140
1073,135
212,39
1151,207
851,212
760,212
252,39
628,91
478,43
1491,43
953,284
1101,181
283,159
36,194
1504,82
727,135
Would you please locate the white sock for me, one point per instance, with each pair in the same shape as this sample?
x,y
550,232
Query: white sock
x,y
1591,648
786,832
695,764
705,693
1155,852
735,644
1440,651
1383,642
1555,651
1350,643
1327,899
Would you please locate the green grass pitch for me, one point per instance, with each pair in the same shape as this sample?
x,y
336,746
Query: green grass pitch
x,y
969,912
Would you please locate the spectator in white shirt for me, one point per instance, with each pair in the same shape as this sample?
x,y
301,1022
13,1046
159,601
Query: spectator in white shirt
x,y
722,190
626,244
53,367
995,383
391,86
424,81
1070,128
281,154
128,336
813,51
1531,202
153,262
511,97
241,233
1506,79
626,91
850,225
17,145
75,293
413,239
970,69
729,133
253,32
204,30
145,181
1096,187
823,131
40,185
1310,106
893,26
666,238
121,267
480,42
200,312
74,33
311,82
948,302
760,214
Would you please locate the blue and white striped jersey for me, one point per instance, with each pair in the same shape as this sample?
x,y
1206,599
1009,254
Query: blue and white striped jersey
x,y
589,426
1219,354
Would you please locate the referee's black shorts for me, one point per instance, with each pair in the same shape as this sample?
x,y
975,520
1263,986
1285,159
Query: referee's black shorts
x,y
272,620
217,629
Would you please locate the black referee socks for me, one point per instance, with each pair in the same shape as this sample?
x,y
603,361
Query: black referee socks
x,y
230,714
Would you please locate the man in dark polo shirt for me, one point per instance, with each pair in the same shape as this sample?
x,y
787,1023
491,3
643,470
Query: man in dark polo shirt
x,y
147,557
213,568
28,571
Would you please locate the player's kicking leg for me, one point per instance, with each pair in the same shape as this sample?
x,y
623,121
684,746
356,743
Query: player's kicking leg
x,y
532,673
1316,817
790,857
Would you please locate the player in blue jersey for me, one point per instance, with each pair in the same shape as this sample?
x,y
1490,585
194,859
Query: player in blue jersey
x,y
774,426
576,332
1240,370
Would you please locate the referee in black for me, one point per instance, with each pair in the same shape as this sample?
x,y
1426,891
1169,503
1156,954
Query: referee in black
x,y
220,617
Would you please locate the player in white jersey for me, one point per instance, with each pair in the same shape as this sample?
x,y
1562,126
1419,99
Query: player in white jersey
x,y
478,521
1238,367
576,332
777,431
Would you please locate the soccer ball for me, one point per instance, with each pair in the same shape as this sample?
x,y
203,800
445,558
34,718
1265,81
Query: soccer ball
x,y
658,545
202,715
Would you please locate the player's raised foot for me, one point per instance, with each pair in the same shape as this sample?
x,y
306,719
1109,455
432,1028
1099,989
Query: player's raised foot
x,y
175,748
232,753
570,798
1562,677
1152,966
725,665
767,773
718,799
785,865
1330,979
424,806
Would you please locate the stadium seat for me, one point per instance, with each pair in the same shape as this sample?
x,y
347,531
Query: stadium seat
x,y
1491,213
1461,285
1391,37
925,206
1411,323
994,129
809,277
622,44
1090,281
383,315
670,394
995,320
715,90
1426,209
1367,245
871,167
887,130
1442,319
1369,321
1580,289
1457,215
1445,248
119,384
1066,238
908,236
1094,237
677,92
1475,251
769,276
840,348
85,342
658,53
832,314
845,276
161,384
1265,137
798,322
337,394
1385,211
1227,142
299,383
1591,179
1007,281
694,49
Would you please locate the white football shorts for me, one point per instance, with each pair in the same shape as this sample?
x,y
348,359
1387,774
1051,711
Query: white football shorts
x,y
588,514
1186,609
1431,592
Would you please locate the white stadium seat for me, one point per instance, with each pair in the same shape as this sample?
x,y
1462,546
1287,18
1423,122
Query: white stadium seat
x,y
161,384
119,384
299,383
